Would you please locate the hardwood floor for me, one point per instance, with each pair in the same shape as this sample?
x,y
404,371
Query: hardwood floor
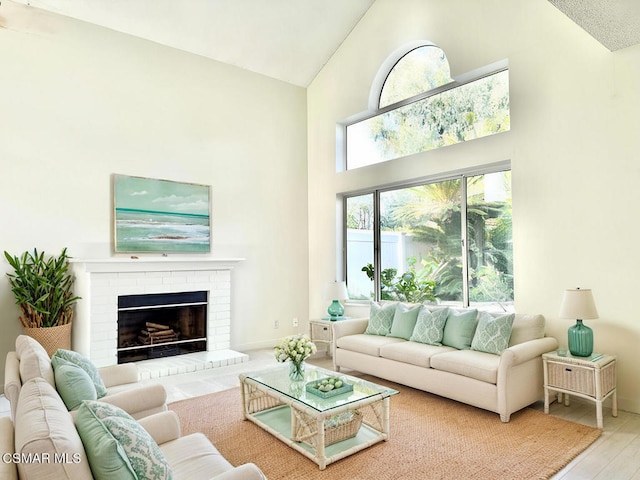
x,y
613,456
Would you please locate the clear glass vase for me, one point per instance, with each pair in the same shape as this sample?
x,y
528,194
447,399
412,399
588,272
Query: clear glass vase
x,y
296,371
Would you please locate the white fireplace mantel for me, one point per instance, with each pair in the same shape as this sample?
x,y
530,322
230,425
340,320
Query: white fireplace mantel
x,y
99,283
154,264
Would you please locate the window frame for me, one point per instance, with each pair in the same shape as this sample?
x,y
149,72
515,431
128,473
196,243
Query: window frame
x,y
374,110
461,175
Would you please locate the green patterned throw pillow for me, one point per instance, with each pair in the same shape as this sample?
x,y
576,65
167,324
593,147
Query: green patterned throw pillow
x,y
118,446
459,329
404,320
493,333
87,365
380,319
430,326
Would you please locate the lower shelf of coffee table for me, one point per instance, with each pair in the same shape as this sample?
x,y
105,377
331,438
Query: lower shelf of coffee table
x,y
279,419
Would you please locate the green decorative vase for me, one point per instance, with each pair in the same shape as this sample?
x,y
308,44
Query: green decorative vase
x,y
335,310
580,340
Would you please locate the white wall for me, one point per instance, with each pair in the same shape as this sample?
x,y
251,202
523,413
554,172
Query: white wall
x,y
573,145
79,103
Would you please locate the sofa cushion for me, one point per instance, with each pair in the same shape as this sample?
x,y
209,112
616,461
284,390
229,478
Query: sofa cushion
x,y
193,457
117,445
365,343
34,361
404,321
413,353
469,363
526,327
430,326
87,365
493,333
8,470
43,426
459,328
380,318
72,382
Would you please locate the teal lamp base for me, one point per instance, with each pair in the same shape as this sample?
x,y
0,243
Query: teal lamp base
x,y
335,310
580,340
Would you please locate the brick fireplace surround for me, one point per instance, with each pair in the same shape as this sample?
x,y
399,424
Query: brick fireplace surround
x,y
100,282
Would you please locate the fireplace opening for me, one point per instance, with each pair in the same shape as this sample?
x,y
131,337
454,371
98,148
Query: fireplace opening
x,y
161,325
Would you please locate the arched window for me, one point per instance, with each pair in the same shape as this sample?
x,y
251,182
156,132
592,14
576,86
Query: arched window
x,y
420,70
421,108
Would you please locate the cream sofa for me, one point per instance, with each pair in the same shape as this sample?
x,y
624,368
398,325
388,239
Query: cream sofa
x,y
502,383
30,360
45,444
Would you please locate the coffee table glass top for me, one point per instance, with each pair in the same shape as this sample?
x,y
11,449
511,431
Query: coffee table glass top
x,y
278,379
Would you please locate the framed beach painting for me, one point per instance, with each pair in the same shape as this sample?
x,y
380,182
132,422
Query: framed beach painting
x,y
161,216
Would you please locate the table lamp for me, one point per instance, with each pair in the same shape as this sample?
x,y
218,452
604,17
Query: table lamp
x,y
578,303
335,292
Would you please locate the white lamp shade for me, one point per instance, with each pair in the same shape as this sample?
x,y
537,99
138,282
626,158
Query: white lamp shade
x,y
578,303
336,291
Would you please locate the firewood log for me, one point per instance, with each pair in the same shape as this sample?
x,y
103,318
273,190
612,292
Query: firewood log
x,y
158,326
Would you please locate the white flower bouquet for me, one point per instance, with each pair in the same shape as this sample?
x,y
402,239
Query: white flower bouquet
x,y
295,348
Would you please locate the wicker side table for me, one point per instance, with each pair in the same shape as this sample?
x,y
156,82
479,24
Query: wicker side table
x,y
320,332
586,377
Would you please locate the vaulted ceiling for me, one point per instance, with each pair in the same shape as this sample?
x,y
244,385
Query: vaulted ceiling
x,y
291,40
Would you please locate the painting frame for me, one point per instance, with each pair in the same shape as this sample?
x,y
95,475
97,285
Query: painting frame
x,y
153,215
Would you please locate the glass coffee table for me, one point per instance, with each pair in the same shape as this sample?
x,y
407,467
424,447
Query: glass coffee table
x,y
323,429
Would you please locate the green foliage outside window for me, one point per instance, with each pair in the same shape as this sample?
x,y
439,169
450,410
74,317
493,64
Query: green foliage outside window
x,y
411,286
474,110
431,216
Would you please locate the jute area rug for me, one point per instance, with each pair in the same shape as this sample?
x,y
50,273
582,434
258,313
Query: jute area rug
x,y
431,438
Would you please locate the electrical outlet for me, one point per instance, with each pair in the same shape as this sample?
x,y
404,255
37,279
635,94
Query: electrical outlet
x,y
276,324
295,321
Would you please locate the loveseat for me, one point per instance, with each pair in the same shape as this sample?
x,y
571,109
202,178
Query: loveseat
x,y
119,383
45,442
490,361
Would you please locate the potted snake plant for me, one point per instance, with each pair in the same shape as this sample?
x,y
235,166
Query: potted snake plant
x,y
43,289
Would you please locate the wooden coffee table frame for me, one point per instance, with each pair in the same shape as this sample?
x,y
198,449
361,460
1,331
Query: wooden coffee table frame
x,y
303,428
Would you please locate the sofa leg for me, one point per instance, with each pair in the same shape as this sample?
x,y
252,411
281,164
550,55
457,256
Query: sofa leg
x,y
505,418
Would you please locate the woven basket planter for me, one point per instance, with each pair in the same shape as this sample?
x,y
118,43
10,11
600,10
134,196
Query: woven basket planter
x,y
51,338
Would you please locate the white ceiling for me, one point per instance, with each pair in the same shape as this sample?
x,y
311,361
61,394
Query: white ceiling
x,y
614,23
290,40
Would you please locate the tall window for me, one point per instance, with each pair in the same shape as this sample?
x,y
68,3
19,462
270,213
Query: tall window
x,y
421,108
445,242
